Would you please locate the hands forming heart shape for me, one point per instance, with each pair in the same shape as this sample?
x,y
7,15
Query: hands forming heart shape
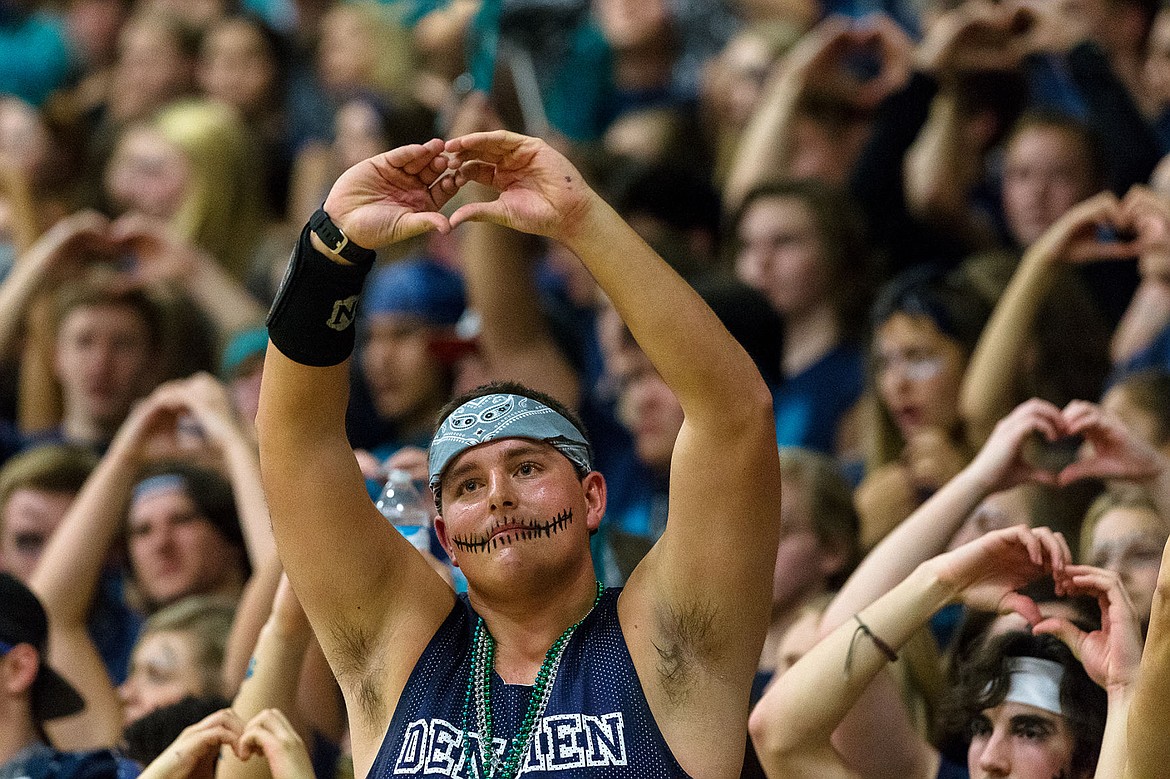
x,y
398,194
1091,442
193,754
1107,228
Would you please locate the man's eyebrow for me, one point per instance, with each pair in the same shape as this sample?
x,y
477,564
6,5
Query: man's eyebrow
x,y
1033,719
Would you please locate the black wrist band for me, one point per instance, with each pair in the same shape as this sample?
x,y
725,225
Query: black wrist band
x,y
332,236
312,318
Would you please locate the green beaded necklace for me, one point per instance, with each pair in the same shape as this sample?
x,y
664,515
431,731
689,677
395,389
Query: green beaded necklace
x,y
477,700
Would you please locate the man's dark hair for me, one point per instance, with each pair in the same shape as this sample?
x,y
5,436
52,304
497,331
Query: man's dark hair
x,y
512,388
983,683
98,295
148,737
1092,146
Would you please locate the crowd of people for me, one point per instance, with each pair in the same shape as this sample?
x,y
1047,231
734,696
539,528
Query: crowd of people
x,y
785,385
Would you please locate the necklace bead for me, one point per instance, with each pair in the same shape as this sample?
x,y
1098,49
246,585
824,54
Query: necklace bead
x,y
477,701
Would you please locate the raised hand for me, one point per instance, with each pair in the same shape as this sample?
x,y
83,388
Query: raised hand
x,y
270,733
1112,654
160,255
540,191
986,573
393,196
1112,451
1001,464
1074,237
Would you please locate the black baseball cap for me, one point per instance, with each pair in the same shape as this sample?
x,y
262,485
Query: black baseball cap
x,y
23,621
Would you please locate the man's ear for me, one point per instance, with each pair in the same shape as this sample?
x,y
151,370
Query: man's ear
x,y
594,484
444,541
18,669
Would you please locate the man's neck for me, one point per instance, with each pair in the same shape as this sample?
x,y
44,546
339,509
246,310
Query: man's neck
x,y
809,336
17,733
525,627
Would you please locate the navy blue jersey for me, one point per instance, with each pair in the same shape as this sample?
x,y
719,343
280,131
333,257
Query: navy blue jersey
x,y
597,724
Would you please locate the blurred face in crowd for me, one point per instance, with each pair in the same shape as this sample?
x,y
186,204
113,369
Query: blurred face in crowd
x,y
802,562
103,361
1129,542
648,409
93,28
407,382
29,518
347,51
175,551
997,511
781,256
151,70
163,670
1045,174
24,139
919,371
148,174
236,67
358,133
1020,741
1157,65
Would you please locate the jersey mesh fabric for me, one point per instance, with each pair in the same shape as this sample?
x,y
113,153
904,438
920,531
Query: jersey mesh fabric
x,y
597,724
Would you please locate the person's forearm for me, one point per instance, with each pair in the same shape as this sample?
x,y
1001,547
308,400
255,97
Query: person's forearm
x,y
810,700
764,149
271,684
66,581
229,306
244,471
515,338
1147,748
924,534
16,292
1113,760
986,395
1148,315
939,170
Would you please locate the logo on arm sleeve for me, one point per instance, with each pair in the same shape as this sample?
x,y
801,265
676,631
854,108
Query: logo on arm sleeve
x,y
344,312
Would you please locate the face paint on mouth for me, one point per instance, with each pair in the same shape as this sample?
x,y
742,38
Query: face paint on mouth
x,y
516,530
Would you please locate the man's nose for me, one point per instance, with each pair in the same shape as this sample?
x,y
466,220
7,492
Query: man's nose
x,y
501,494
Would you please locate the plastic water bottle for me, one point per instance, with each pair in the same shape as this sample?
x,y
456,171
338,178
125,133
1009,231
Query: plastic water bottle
x,y
403,504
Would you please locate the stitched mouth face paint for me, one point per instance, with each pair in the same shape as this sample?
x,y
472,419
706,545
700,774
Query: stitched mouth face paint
x,y
517,530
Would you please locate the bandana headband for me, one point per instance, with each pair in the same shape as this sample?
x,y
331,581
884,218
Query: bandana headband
x,y
1035,682
492,417
165,481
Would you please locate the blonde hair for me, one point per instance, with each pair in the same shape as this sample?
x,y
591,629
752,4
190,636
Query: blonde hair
x,y
1130,497
207,622
223,210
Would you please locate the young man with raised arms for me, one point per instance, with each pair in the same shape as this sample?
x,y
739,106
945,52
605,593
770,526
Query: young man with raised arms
x,y
651,680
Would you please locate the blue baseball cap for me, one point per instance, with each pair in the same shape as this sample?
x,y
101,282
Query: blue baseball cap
x,y
419,287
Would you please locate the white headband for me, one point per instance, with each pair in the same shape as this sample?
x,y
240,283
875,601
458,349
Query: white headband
x,y
1035,682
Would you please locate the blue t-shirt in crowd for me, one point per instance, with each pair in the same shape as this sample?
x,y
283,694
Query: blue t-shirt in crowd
x,y
34,55
809,406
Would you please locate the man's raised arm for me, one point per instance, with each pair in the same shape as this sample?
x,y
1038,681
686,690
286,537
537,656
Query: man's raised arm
x,y
694,611
372,600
